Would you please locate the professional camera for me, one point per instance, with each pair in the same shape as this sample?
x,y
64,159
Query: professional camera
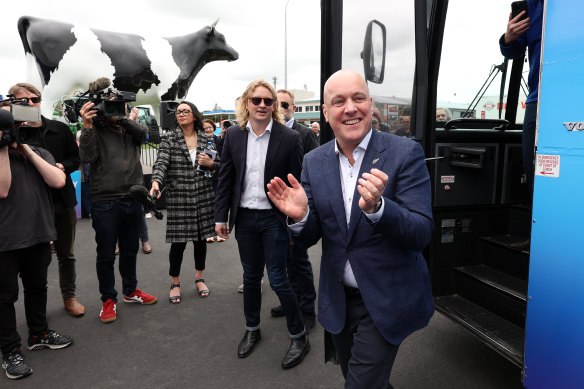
x,y
11,123
108,102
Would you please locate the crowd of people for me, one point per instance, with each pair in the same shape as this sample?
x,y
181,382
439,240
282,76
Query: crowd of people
x,y
366,195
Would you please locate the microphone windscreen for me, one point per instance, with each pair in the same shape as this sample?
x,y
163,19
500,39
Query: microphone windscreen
x,y
6,120
140,194
99,84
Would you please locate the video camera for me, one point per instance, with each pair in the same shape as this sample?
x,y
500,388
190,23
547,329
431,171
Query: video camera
x,y
108,102
10,122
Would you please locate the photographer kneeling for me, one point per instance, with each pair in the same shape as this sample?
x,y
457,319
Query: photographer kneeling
x,y
27,225
111,145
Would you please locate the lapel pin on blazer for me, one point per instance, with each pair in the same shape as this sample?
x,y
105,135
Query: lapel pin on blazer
x,y
375,161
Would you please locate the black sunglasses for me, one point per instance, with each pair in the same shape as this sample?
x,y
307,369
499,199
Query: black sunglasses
x,y
34,100
284,105
258,100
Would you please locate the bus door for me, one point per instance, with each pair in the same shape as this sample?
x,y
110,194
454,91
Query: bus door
x,y
479,255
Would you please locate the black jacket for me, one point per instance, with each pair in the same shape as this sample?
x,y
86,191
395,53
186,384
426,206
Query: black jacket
x,y
58,139
307,137
284,156
114,158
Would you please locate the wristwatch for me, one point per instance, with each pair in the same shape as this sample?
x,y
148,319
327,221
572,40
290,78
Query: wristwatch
x,y
377,206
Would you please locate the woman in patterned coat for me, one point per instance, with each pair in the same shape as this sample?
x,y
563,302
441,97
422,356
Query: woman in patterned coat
x,y
190,202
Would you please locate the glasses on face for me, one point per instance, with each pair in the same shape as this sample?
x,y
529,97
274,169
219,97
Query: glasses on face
x,y
258,100
34,100
208,128
183,112
284,105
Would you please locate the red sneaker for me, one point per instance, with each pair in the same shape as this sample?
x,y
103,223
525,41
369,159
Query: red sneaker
x,y
140,297
108,312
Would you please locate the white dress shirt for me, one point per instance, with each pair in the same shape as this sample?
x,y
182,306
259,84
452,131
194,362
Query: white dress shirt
x,y
253,195
349,176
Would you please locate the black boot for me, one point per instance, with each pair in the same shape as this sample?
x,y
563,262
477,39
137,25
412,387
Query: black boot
x,y
250,339
299,347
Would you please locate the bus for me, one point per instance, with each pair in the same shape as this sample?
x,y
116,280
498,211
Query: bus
x,y
520,300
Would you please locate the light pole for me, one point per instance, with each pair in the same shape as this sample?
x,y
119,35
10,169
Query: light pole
x,y
286,45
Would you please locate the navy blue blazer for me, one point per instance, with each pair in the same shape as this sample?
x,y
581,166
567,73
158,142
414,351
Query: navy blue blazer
x,y
284,156
385,256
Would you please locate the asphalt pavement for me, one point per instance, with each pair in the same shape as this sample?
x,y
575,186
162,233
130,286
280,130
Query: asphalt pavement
x,y
194,344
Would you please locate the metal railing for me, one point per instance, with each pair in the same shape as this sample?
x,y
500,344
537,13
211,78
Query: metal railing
x,y
149,153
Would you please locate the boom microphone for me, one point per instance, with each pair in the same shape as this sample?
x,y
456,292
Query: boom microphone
x,y
99,84
141,195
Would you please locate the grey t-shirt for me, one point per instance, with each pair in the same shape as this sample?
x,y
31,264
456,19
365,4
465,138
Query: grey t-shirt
x,y
26,215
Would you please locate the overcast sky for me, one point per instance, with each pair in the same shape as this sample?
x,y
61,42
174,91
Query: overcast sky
x,y
255,29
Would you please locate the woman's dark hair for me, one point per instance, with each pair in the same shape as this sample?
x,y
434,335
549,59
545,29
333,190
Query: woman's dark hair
x,y
198,117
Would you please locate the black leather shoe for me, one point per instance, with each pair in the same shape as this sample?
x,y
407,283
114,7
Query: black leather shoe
x,y
250,339
277,311
309,320
299,347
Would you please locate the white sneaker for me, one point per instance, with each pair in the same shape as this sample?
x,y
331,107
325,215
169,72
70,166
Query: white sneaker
x,y
148,215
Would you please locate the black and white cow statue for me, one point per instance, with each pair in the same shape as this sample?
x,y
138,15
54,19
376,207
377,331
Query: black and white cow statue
x,y
63,57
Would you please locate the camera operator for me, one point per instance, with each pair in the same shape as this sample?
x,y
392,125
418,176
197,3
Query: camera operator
x,y
26,229
58,139
111,145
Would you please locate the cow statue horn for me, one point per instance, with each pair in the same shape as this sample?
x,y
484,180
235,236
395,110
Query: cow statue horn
x,y
213,25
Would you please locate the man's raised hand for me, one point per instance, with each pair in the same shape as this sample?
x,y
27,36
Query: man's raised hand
x,y
371,187
292,201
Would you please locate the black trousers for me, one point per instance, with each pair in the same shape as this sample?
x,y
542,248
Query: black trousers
x,y
177,250
31,264
366,358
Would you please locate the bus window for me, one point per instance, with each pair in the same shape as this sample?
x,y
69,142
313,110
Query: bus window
x,y
391,82
472,66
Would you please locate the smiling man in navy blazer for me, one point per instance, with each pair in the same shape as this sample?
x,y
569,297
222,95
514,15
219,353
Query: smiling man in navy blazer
x,y
367,195
259,148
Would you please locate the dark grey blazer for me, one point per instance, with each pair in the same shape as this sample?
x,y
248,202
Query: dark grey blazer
x,y
307,137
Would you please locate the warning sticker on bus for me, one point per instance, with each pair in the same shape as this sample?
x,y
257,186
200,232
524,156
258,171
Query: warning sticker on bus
x,y
547,165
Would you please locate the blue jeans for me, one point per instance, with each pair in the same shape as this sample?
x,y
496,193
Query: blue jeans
x,y
263,241
143,228
301,277
116,220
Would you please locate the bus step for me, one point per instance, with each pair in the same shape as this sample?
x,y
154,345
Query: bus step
x,y
499,253
498,280
495,299
501,335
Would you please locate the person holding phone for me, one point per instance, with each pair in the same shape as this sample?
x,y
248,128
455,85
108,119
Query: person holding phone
x,y
524,32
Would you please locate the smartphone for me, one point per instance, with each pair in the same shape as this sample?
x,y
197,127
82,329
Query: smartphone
x,y
517,7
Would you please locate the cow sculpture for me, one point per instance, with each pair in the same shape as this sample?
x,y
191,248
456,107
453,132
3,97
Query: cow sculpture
x,y
63,57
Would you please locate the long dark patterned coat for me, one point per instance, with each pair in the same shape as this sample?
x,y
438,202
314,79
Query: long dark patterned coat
x,y
190,205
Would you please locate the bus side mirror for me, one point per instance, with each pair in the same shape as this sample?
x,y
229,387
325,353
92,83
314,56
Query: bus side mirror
x,y
373,53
